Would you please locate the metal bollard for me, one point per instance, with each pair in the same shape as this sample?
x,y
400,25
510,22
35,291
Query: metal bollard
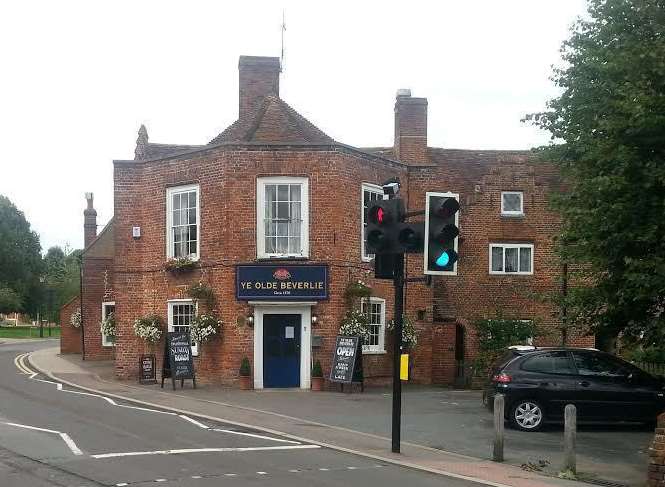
x,y
569,438
499,405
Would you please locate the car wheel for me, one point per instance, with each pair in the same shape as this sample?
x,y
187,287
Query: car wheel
x,y
527,415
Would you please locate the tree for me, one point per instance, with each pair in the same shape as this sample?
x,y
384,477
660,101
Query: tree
x,y
610,118
10,301
20,257
61,280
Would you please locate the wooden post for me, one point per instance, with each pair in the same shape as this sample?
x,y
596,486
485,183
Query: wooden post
x,y
499,417
569,439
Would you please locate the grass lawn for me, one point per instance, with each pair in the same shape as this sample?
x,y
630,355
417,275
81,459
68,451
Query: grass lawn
x,y
26,332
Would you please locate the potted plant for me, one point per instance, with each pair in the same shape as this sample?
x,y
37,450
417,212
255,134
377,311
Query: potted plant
x,y
149,328
245,374
317,377
179,265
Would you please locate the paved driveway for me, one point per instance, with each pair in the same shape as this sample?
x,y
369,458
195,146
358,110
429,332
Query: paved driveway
x,y
456,421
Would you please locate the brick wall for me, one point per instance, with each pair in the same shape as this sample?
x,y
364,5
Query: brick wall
x,y
227,179
97,288
656,472
70,337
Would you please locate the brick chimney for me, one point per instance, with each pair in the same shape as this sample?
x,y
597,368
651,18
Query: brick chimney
x,y
410,128
259,76
89,222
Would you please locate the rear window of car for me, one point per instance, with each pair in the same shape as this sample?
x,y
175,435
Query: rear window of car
x,y
502,361
549,363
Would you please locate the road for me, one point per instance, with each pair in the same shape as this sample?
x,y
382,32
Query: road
x,y
52,435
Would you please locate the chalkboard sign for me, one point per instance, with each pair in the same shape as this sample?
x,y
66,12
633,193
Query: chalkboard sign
x,y
347,360
147,372
178,361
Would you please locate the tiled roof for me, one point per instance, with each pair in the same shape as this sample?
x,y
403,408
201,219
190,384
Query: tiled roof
x,y
155,151
273,121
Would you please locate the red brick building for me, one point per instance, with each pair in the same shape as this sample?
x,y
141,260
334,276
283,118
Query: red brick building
x,y
272,190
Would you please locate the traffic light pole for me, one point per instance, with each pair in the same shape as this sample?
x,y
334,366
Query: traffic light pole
x,y
398,281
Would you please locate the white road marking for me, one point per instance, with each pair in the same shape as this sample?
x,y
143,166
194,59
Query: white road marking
x,y
65,437
196,477
352,468
121,484
294,470
262,473
193,421
203,450
324,469
242,433
160,480
230,475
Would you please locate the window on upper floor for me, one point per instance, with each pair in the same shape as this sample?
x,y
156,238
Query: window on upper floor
x,y
369,193
512,203
511,258
375,309
180,315
182,222
108,309
282,217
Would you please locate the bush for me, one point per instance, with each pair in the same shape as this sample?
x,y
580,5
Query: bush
x,y
495,335
245,368
317,371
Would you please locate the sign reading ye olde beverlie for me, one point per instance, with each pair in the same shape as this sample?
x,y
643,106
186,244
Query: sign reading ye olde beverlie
x,y
282,282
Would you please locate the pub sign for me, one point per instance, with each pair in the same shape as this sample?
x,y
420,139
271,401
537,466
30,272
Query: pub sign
x,y
281,282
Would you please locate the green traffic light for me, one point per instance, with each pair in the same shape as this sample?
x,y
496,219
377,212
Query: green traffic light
x,y
442,260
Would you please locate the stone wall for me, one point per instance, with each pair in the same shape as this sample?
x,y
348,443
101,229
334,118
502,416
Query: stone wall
x,y
656,475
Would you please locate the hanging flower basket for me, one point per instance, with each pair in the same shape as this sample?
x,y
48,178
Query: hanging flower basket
x,y
357,290
409,333
354,323
204,328
202,292
149,328
75,319
179,265
107,326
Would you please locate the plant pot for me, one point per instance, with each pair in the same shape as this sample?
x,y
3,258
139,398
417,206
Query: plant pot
x,y
245,383
317,383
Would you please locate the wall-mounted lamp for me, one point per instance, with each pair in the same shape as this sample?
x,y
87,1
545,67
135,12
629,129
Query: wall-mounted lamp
x,y
314,319
250,320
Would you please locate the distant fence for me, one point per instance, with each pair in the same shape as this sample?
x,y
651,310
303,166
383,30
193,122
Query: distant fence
x,y
652,368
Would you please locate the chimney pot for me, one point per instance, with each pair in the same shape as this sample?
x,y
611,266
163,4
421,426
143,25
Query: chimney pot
x,y
89,221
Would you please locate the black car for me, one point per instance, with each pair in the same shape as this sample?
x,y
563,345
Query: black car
x,y
539,382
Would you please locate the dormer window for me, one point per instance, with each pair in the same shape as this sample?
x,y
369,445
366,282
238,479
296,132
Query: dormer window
x,y
512,203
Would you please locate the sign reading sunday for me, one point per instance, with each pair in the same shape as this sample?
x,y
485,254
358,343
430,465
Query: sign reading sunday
x,y
282,282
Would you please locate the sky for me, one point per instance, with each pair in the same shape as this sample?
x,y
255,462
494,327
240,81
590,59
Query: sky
x,y
78,78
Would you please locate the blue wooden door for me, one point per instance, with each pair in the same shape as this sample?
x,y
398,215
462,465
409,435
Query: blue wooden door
x,y
281,350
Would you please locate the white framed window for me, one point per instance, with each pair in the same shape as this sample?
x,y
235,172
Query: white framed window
x,y
375,309
108,308
512,203
183,228
282,217
510,258
369,193
180,314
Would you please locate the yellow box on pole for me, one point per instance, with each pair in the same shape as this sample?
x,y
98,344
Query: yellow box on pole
x,y
404,367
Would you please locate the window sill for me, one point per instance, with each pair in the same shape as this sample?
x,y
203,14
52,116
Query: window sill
x,y
268,258
374,352
511,274
517,216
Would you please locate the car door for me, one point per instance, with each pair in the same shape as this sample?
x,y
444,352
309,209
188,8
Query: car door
x,y
552,377
606,389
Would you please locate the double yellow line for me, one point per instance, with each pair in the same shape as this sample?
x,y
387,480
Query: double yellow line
x,y
19,361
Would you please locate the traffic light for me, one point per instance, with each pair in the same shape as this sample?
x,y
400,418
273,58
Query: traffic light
x,y
441,231
384,220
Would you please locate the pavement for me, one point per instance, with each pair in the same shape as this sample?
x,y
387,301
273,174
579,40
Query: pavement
x,y
52,434
309,418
